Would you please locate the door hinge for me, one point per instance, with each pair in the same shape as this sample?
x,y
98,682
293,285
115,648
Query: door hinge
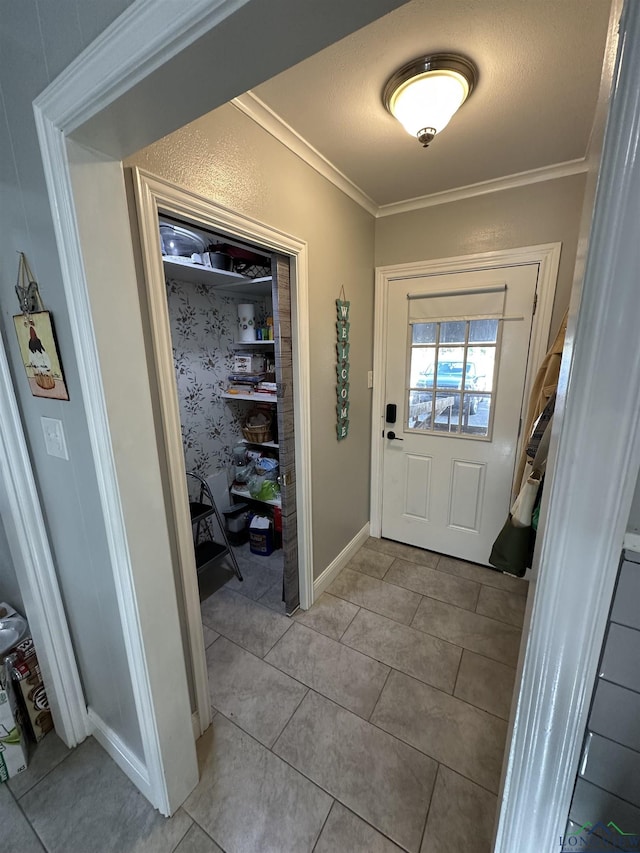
x,y
535,302
519,428
286,478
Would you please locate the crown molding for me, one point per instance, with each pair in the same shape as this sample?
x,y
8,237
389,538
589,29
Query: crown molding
x,y
116,61
259,112
508,182
263,115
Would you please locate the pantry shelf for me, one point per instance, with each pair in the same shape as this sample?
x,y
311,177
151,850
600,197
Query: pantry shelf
x,y
273,444
258,398
244,493
185,270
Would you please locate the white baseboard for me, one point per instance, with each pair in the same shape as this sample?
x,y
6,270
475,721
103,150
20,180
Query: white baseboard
x,y
126,760
195,722
335,566
632,542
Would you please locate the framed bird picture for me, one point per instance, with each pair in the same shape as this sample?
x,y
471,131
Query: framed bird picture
x,y
40,357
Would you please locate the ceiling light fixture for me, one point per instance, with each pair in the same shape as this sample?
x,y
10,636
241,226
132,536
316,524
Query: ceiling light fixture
x,y
424,94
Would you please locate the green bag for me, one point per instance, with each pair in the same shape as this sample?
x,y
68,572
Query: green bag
x,y
513,549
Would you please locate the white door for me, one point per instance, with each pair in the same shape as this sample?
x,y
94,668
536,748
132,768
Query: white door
x,y
457,350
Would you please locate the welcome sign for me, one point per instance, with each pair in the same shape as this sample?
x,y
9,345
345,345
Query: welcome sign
x,y
342,369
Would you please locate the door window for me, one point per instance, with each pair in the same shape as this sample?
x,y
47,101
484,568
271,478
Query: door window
x,y
451,377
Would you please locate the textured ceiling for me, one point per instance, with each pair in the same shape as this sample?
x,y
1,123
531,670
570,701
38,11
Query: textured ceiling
x,y
539,65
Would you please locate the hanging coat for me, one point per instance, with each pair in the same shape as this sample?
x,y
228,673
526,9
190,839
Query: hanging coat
x,y
544,387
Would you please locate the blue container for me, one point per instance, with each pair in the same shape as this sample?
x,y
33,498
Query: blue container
x,y
261,537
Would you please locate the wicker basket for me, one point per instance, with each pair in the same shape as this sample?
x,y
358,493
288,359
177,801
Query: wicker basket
x,y
260,432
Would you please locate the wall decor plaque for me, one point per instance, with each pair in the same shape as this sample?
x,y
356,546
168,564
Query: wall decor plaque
x,y
39,352
342,367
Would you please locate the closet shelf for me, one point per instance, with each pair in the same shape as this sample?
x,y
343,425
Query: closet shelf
x,y
244,493
185,270
238,344
273,444
257,398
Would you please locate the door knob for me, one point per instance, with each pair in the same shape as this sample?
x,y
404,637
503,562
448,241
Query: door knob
x,y
393,437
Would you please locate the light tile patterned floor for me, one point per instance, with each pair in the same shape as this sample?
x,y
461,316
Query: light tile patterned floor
x,y
374,723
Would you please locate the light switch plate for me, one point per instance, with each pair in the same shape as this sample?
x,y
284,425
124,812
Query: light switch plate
x,y
54,440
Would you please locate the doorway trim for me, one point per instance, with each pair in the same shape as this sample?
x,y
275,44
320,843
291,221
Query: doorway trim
x,y
128,51
38,582
155,195
546,255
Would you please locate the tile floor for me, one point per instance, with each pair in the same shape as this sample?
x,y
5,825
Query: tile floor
x,y
373,723
262,577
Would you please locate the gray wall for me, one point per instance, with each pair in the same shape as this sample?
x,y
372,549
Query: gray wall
x,y
9,590
37,41
633,525
227,158
539,213
608,780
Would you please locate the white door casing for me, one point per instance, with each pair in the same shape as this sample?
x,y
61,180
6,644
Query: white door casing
x,y
142,38
444,490
31,553
145,38
153,194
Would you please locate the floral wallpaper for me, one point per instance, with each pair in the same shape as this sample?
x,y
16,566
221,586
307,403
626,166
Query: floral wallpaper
x,y
203,329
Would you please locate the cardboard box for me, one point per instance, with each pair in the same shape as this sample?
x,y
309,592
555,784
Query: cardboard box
x,y
248,364
30,692
13,749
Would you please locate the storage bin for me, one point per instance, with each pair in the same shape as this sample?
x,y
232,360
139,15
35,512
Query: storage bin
x,y
235,519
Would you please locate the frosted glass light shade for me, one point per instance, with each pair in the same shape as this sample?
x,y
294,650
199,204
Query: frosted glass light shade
x,y
429,100
426,93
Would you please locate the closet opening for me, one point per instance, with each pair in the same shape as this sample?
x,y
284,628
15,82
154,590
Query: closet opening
x,y
229,313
